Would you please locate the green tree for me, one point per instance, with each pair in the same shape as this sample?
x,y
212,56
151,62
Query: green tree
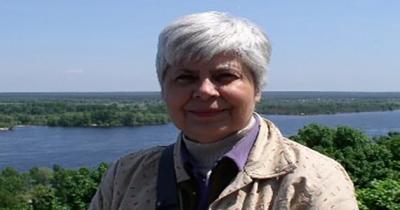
x,y
363,159
381,195
75,188
12,186
40,176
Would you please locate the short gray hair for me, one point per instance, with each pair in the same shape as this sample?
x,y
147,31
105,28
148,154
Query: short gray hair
x,y
202,36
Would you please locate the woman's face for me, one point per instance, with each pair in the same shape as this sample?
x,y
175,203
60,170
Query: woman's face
x,y
211,100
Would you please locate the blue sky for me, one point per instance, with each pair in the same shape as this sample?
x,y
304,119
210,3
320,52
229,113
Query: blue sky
x,y
60,45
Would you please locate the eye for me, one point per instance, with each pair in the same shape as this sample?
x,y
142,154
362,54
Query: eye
x,y
225,77
185,78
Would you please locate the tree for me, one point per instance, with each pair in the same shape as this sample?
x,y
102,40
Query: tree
x,y
12,186
362,158
381,195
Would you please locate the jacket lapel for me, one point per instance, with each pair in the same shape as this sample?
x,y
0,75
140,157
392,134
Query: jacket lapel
x,y
269,158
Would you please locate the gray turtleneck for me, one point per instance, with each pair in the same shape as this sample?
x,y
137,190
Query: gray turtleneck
x,y
206,155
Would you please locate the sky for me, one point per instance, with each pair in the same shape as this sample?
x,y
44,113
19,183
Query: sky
x,y
98,45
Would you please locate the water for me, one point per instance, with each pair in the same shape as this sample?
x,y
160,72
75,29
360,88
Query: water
x,y
371,123
25,147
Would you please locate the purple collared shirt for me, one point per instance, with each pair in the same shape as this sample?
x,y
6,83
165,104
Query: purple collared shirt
x,y
238,154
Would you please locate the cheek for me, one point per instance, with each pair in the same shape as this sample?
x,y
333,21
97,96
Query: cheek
x,y
173,104
175,100
174,110
240,96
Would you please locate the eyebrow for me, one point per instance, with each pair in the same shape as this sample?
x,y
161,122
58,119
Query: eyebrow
x,y
225,69
178,71
185,71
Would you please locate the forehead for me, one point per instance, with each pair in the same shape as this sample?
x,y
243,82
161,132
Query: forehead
x,y
219,62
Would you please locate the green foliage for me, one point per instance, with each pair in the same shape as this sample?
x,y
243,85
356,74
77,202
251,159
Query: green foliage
x,y
47,189
381,195
323,104
74,114
42,197
12,186
40,176
74,187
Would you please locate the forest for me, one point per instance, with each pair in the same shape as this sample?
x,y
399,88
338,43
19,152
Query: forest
x,y
372,163
136,109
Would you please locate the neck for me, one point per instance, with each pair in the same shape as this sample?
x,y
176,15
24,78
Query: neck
x,y
214,151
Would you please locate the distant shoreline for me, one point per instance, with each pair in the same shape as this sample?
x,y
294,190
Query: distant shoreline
x,y
5,129
154,91
113,109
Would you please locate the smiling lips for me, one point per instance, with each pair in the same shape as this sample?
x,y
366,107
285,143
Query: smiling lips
x,y
206,112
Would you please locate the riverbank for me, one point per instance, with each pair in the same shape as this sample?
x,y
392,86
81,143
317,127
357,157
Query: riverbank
x,y
133,109
6,129
167,121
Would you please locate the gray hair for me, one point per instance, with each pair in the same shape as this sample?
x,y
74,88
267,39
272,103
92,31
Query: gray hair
x,y
201,36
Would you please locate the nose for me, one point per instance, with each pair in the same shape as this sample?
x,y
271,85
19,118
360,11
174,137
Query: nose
x,y
205,90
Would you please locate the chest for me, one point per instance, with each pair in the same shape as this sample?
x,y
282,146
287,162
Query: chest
x,y
271,194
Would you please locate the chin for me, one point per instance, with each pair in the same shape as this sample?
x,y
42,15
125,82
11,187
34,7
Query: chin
x,y
202,137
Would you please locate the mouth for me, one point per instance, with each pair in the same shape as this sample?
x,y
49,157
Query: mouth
x,y
206,112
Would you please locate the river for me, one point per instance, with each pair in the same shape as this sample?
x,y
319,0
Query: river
x,y
25,147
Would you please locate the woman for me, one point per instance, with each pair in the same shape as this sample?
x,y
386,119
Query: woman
x,y
211,68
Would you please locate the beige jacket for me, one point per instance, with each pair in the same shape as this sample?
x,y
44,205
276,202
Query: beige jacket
x,y
279,174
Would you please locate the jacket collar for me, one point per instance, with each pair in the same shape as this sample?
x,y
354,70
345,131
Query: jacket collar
x,y
270,156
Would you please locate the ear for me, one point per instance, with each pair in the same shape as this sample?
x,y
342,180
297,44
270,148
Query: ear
x,y
162,94
258,95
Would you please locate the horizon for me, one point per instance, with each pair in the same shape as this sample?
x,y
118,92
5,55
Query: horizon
x,y
101,46
157,91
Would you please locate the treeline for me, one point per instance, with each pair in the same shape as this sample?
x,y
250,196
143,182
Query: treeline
x,y
49,189
133,109
325,106
372,163
72,114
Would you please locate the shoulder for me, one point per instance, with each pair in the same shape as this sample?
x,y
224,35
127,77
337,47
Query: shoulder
x,y
306,158
143,163
313,179
142,158
131,177
312,164
324,182
133,163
